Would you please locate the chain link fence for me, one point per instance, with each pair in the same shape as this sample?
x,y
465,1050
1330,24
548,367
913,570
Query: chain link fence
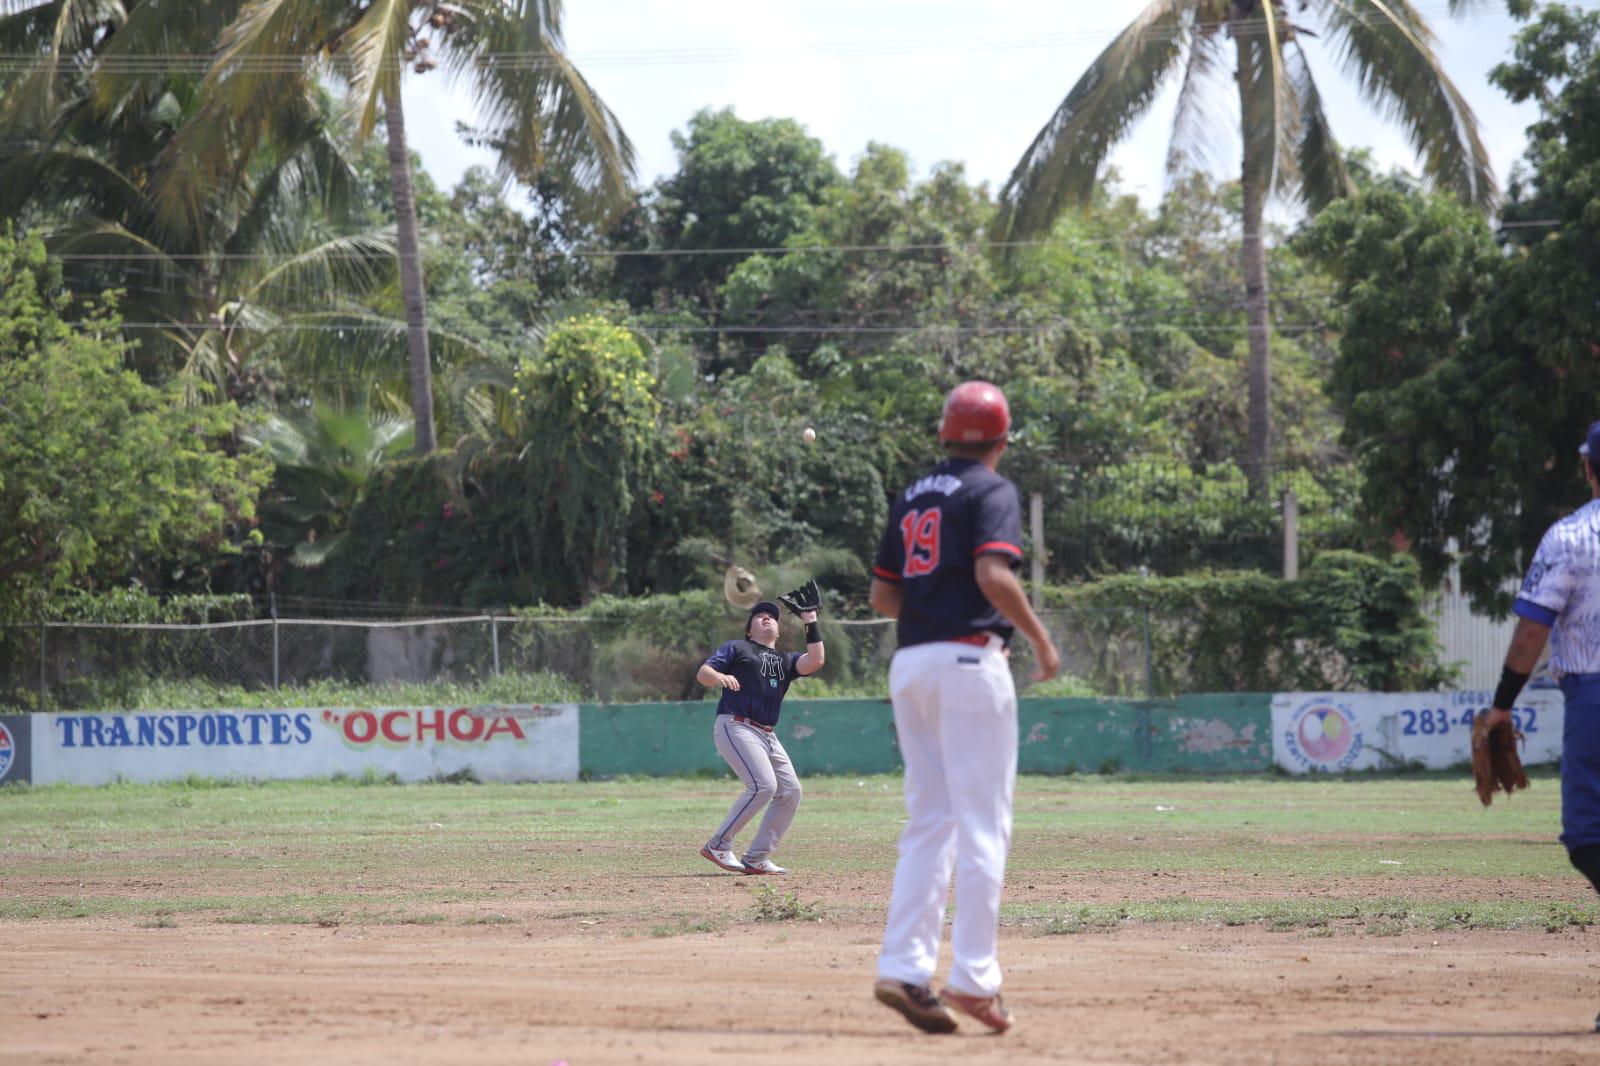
x,y
105,666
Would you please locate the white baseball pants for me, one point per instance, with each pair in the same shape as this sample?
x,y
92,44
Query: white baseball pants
x,y
955,716
759,760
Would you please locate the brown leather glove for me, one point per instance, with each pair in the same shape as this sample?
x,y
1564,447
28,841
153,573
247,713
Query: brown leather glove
x,y
1496,764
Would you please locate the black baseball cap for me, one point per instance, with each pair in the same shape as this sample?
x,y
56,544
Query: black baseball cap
x,y
763,607
1589,449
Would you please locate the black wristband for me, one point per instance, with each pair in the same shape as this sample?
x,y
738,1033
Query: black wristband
x,y
1511,684
813,633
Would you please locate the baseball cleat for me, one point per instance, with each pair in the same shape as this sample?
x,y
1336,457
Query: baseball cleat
x,y
724,858
763,866
917,1004
986,1009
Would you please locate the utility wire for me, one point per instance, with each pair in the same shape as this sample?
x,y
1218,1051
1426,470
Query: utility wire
x,y
680,55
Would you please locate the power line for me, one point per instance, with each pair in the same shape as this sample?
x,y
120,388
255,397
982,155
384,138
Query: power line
x,y
680,55
1132,326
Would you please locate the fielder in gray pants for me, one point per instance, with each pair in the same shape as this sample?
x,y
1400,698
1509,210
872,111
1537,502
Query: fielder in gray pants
x,y
754,677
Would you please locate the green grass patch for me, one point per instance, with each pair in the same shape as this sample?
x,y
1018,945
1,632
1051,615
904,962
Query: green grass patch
x,y
1411,852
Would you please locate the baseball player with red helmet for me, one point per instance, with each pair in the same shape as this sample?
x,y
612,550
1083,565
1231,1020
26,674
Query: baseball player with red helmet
x,y
946,571
754,678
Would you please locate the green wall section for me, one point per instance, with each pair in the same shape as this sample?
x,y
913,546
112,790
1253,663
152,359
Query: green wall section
x,y
1191,734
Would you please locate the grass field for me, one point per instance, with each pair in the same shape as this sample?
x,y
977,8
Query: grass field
x,y
1113,866
1349,852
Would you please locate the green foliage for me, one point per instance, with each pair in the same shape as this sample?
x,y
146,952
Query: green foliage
x,y
738,185
1469,372
591,421
153,694
1351,622
323,461
135,605
772,905
102,477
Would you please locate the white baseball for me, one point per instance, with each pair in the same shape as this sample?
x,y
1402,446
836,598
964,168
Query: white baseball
x,y
808,435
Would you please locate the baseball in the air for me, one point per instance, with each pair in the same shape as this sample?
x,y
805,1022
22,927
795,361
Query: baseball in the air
x,y
808,435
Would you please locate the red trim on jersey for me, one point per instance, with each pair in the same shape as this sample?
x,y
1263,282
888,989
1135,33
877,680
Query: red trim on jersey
x,y
886,575
999,546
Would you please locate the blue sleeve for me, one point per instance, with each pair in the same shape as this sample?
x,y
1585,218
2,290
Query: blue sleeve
x,y
890,561
997,523
721,659
1547,586
1533,612
793,665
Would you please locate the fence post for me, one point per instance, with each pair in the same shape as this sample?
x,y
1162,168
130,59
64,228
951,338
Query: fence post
x,y
1149,672
494,640
44,685
1036,527
1291,535
272,598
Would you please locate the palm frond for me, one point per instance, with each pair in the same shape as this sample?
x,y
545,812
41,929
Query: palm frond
x,y
71,175
152,46
373,47
1193,132
1323,177
57,37
480,394
356,344
1388,49
1271,117
1063,162
350,264
542,115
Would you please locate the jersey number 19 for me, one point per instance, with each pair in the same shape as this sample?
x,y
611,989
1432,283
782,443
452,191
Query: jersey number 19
x,y
921,533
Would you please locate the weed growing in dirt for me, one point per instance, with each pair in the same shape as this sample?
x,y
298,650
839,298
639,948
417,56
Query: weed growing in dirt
x,y
682,925
774,906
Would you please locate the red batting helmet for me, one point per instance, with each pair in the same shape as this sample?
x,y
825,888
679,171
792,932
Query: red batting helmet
x,y
975,412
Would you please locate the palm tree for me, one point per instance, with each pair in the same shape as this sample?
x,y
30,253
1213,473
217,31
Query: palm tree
x,y
1288,145
541,115
324,460
268,254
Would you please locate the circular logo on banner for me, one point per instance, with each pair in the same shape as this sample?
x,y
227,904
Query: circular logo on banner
x,y
8,750
1322,735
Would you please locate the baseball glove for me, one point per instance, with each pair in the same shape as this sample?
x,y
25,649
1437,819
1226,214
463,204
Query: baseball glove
x,y
1495,762
805,598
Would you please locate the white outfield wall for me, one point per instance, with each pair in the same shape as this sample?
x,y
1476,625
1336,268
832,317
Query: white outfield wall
x,y
525,742
1333,732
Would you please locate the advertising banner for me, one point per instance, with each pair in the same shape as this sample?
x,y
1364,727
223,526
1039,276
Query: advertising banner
x,y
520,742
1314,732
15,761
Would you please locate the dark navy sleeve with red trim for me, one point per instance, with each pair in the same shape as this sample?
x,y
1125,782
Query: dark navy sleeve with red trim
x,y
997,522
890,558
938,527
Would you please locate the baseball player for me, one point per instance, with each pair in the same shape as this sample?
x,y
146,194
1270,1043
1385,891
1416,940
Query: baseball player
x,y
1560,602
754,677
946,570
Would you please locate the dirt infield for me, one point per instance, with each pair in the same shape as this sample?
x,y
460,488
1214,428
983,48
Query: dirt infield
x,y
558,991
1234,921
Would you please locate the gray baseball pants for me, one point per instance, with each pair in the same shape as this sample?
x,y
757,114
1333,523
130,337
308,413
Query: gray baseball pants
x,y
758,758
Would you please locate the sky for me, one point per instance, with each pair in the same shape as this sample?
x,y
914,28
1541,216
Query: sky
x,y
944,81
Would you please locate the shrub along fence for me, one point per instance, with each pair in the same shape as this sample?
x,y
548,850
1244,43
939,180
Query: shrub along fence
x,y
1351,622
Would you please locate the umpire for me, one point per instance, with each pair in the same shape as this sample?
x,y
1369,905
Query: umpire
x,y
1560,602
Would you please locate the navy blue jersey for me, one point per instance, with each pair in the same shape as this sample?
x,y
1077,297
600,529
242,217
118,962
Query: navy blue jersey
x,y
937,529
764,676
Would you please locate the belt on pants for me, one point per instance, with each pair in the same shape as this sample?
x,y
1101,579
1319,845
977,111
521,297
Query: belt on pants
x,y
980,639
751,721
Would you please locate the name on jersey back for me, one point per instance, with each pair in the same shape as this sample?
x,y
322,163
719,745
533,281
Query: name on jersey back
x,y
943,484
